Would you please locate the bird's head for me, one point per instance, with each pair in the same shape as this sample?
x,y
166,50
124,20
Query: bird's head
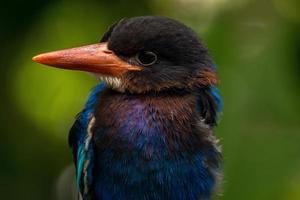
x,y
140,55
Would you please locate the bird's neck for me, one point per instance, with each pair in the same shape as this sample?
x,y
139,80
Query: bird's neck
x,y
177,107
150,120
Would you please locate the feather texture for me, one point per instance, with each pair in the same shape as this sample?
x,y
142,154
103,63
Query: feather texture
x,y
147,147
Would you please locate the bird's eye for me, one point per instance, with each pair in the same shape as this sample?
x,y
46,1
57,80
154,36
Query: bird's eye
x,y
146,58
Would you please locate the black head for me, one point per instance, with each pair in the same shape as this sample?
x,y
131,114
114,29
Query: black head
x,y
142,54
171,55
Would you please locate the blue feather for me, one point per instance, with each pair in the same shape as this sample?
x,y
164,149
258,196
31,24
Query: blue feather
x,y
83,154
80,161
217,97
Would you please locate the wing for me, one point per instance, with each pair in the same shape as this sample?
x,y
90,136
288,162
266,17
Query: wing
x,y
80,140
210,105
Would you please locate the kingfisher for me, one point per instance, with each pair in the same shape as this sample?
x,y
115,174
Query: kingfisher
x,y
147,129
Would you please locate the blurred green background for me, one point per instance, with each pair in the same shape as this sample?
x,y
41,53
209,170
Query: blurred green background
x,y
255,43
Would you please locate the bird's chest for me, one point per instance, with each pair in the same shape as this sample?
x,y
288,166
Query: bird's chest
x,y
144,149
152,126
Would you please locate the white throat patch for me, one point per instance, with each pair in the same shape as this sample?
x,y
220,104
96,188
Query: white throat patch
x,y
113,82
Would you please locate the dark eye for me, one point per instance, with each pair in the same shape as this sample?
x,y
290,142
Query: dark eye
x,y
146,58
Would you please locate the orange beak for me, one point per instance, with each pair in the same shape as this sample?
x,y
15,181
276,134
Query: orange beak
x,y
96,58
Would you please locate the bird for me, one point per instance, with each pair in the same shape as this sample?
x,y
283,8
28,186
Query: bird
x,y
147,129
